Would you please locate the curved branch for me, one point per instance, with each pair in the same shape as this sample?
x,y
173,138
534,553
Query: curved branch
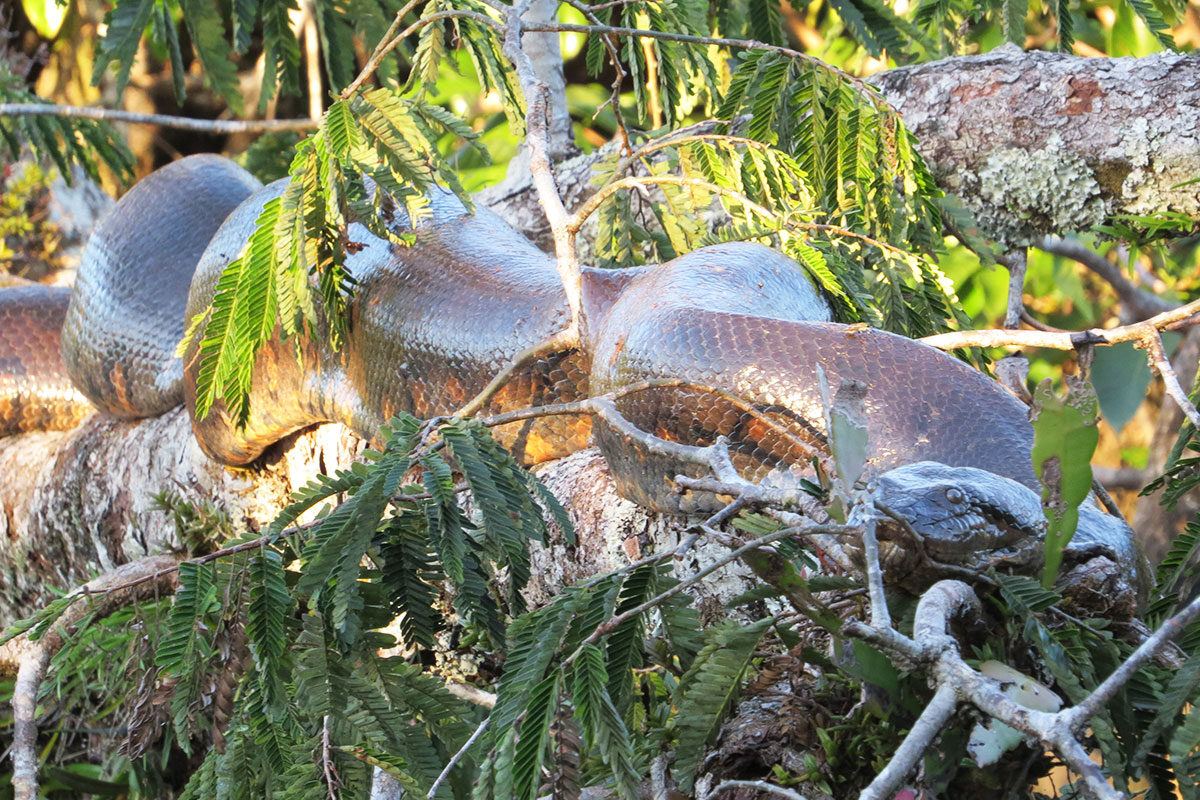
x,y
1139,303
165,120
122,586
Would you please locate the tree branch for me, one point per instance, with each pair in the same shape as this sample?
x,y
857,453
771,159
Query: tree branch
x,y
1067,340
108,592
1139,303
1038,143
165,120
923,734
537,139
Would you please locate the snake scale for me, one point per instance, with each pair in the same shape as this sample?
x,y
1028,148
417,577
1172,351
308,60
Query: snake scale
x,y
728,340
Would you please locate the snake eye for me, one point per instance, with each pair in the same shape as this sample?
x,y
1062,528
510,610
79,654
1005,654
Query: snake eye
x,y
955,495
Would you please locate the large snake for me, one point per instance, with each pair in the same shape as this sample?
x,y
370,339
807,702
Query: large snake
x,y
725,341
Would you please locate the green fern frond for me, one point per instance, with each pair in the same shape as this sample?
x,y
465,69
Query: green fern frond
x,y
603,727
708,688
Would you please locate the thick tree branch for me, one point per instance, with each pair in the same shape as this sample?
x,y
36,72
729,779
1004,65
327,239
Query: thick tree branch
x,y
1038,143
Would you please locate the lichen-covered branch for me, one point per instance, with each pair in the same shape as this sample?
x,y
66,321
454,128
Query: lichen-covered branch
x,y
1038,143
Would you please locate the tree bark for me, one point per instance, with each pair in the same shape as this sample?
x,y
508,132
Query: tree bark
x,y
1047,143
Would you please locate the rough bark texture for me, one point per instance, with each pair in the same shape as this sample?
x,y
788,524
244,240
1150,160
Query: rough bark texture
x,y
81,502
1046,143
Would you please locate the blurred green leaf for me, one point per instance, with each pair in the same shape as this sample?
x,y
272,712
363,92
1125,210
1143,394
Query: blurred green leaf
x,y
1120,375
1064,437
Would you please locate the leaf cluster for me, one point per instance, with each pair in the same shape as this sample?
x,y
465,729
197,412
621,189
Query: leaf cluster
x,y
65,141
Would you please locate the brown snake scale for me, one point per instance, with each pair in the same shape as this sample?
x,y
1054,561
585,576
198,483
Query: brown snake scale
x,y
433,322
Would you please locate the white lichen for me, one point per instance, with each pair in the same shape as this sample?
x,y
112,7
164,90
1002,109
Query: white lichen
x,y
1023,191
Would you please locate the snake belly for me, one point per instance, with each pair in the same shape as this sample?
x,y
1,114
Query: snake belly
x,y
732,325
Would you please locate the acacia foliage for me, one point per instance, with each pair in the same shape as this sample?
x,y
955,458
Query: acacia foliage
x,y
798,154
64,141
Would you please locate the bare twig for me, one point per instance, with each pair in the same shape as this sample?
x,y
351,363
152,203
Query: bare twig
x,y
472,694
562,340
880,616
658,777
1077,717
864,88
331,779
457,757
386,42
537,139
1016,263
619,73
1151,342
1139,303
761,786
923,734
165,120
1067,340
387,45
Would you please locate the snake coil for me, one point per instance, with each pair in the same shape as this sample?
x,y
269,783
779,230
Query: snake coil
x,y
434,321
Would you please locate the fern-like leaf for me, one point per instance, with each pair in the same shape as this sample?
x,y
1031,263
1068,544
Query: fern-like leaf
x,y
708,688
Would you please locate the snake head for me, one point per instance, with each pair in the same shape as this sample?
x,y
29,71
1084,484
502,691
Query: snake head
x,y
964,517
976,519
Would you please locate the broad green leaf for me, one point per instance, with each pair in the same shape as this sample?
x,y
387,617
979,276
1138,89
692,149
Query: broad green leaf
x,y
1064,438
1121,376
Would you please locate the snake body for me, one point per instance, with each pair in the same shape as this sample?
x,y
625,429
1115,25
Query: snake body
x,y
434,321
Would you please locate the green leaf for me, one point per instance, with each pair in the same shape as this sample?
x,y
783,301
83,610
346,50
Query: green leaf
x,y
1121,376
1066,24
708,689
411,579
126,23
602,725
1149,14
209,41
1181,690
184,643
266,625
281,51
1014,21
534,737
166,32
1064,438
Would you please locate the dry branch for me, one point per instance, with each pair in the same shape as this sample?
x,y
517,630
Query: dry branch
x,y
165,120
110,591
